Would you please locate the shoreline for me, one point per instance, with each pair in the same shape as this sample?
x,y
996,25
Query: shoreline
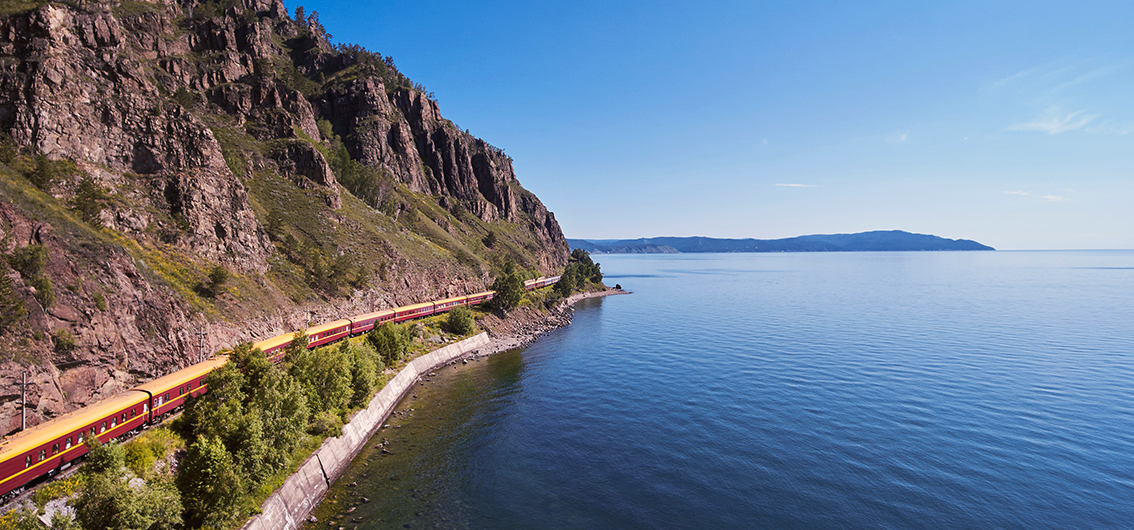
x,y
530,330
291,504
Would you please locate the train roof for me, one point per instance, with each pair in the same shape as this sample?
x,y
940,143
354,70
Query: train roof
x,y
414,306
328,326
70,422
167,382
273,342
375,314
482,293
453,299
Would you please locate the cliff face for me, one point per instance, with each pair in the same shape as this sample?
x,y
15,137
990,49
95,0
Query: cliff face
x,y
226,133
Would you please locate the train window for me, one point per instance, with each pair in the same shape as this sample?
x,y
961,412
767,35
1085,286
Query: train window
x,y
113,422
93,431
181,391
42,455
68,444
27,461
123,417
81,433
202,382
167,396
133,412
54,448
102,428
145,408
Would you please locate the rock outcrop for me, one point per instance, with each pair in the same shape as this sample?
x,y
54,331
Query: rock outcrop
x,y
202,121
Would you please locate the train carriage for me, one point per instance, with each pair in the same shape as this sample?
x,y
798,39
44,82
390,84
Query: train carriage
x,y
54,445
363,323
441,306
480,298
169,392
413,311
327,333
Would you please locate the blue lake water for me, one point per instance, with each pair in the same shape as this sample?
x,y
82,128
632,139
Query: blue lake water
x,y
817,390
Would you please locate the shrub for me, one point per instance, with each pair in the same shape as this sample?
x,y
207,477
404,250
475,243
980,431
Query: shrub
x,y
218,275
11,306
460,321
327,423
44,292
64,341
103,457
99,300
29,260
47,171
90,200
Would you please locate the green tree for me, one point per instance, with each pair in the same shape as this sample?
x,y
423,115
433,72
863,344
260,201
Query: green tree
x,y
113,498
324,374
391,341
29,260
509,287
12,309
210,485
580,270
218,276
364,368
9,151
296,347
257,411
90,200
103,458
460,321
47,171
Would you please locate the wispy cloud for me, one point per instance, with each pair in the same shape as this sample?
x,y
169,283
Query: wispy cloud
x,y
798,185
898,138
1017,193
1055,120
1055,198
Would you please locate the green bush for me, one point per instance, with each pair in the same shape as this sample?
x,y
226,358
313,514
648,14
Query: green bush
x,y
327,423
47,171
90,200
44,292
11,306
64,341
460,321
29,260
99,300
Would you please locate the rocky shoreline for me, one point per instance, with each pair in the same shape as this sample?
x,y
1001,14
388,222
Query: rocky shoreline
x,y
525,325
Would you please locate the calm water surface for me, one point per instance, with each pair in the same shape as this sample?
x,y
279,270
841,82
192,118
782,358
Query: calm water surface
x,y
841,390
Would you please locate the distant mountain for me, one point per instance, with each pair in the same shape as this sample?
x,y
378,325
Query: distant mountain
x,y
880,240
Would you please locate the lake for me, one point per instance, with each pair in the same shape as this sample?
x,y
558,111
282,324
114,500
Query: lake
x,y
809,390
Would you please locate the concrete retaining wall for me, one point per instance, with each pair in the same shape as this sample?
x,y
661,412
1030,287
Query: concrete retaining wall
x,y
292,503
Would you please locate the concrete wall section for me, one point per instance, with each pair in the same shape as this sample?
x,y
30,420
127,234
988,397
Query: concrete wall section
x,y
290,505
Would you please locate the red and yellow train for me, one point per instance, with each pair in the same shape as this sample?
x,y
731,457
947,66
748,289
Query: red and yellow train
x,y
53,446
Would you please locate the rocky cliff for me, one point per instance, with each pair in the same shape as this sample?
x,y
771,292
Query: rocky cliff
x,y
146,145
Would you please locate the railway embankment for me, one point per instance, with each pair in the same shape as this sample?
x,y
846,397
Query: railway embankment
x,y
292,502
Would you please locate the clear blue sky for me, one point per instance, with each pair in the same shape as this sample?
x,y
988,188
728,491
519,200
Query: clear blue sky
x,y
1010,123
